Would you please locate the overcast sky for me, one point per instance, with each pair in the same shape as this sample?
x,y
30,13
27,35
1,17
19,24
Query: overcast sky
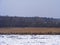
x,y
42,8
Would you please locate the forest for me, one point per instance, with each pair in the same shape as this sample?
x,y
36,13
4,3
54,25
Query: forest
x,y
10,21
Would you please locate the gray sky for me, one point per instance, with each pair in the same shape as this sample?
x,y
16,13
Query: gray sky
x,y
42,8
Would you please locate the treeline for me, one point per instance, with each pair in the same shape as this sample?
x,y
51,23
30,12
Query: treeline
x,y
6,21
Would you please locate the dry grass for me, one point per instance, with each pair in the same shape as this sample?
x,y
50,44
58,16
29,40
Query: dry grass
x,y
29,30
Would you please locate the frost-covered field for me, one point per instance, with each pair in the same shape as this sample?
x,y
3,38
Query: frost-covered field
x,y
29,39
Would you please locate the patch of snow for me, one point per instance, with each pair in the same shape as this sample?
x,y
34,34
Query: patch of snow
x,y
29,39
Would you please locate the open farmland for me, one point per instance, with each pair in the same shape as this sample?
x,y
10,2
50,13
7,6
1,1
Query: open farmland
x,y
29,30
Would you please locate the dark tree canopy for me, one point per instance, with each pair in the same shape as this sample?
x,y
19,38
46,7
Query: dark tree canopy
x,y
6,21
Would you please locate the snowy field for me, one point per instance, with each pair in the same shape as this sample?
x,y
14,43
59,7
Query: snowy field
x,y
29,39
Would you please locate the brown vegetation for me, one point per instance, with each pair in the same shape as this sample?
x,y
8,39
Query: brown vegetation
x,y
29,30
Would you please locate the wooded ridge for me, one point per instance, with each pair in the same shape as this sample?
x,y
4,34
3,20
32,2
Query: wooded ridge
x,y
7,21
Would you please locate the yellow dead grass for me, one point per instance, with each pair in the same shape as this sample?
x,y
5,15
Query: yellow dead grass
x,y
29,30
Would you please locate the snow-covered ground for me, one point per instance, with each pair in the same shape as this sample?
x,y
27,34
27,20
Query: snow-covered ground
x,y
29,39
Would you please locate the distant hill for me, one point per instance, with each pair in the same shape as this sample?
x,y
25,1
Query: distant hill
x,y
7,21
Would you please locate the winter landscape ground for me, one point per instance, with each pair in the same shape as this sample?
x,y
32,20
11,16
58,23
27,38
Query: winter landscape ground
x,y
12,36
29,39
